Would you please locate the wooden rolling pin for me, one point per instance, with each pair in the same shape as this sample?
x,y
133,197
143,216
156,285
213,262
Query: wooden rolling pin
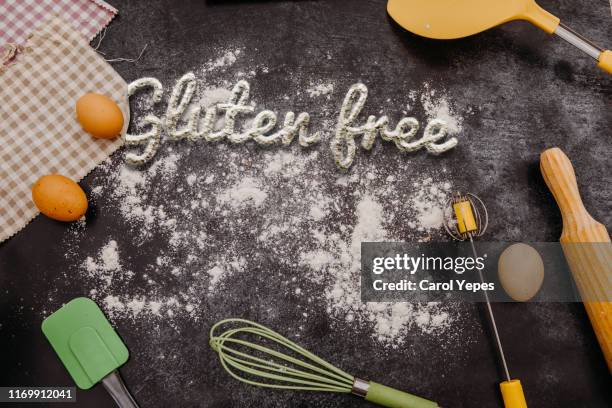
x,y
591,265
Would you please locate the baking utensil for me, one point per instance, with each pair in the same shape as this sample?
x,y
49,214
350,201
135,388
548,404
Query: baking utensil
x,y
586,246
294,368
471,220
89,348
448,19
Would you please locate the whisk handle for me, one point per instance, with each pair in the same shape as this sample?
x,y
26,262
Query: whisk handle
x,y
392,398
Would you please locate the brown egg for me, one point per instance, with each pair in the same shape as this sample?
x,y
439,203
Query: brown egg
x,y
99,116
521,271
59,197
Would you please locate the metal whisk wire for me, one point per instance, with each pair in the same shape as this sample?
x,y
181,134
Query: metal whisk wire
x,y
320,377
479,209
304,372
472,220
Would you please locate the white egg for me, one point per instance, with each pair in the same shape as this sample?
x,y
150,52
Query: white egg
x,y
521,271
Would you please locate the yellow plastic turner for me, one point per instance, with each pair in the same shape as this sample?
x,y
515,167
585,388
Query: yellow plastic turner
x,y
448,19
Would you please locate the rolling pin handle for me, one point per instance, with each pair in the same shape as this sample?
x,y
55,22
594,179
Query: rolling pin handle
x,y
560,178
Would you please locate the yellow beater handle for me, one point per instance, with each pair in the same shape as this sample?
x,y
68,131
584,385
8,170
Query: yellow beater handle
x,y
466,222
591,265
512,393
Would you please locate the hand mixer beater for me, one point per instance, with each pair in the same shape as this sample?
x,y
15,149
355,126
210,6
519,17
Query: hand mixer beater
x,y
471,220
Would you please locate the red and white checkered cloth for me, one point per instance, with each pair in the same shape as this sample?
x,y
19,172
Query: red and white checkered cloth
x,y
39,132
19,17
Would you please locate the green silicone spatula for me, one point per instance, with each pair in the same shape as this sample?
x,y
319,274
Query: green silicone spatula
x,y
89,348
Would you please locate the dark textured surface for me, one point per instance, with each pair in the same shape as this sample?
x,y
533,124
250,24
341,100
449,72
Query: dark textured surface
x,y
532,91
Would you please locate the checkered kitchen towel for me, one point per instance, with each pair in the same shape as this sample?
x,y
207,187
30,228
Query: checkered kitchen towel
x,y
39,133
19,17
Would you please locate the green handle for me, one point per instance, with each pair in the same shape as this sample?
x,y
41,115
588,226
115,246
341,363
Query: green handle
x,y
392,398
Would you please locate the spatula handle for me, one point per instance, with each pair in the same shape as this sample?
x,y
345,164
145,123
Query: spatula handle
x,y
605,61
586,245
603,57
117,389
539,17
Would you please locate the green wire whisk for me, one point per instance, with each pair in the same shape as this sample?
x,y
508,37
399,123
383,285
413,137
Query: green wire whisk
x,y
294,369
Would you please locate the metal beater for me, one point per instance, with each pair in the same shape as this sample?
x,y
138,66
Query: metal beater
x,y
471,220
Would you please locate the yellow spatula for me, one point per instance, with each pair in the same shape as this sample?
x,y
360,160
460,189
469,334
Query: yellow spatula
x,y
448,19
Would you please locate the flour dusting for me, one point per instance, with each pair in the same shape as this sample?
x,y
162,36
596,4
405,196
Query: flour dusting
x,y
204,219
245,192
227,59
439,107
320,89
390,320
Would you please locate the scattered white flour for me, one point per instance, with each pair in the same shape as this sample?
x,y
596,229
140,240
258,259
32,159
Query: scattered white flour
x,y
201,218
106,265
287,164
317,260
299,209
429,204
215,276
226,60
136,306
245,192
166,168
317,212
113,304
132,189
438,107
191,179
213,95
320,89
390,320
96,191
109,259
